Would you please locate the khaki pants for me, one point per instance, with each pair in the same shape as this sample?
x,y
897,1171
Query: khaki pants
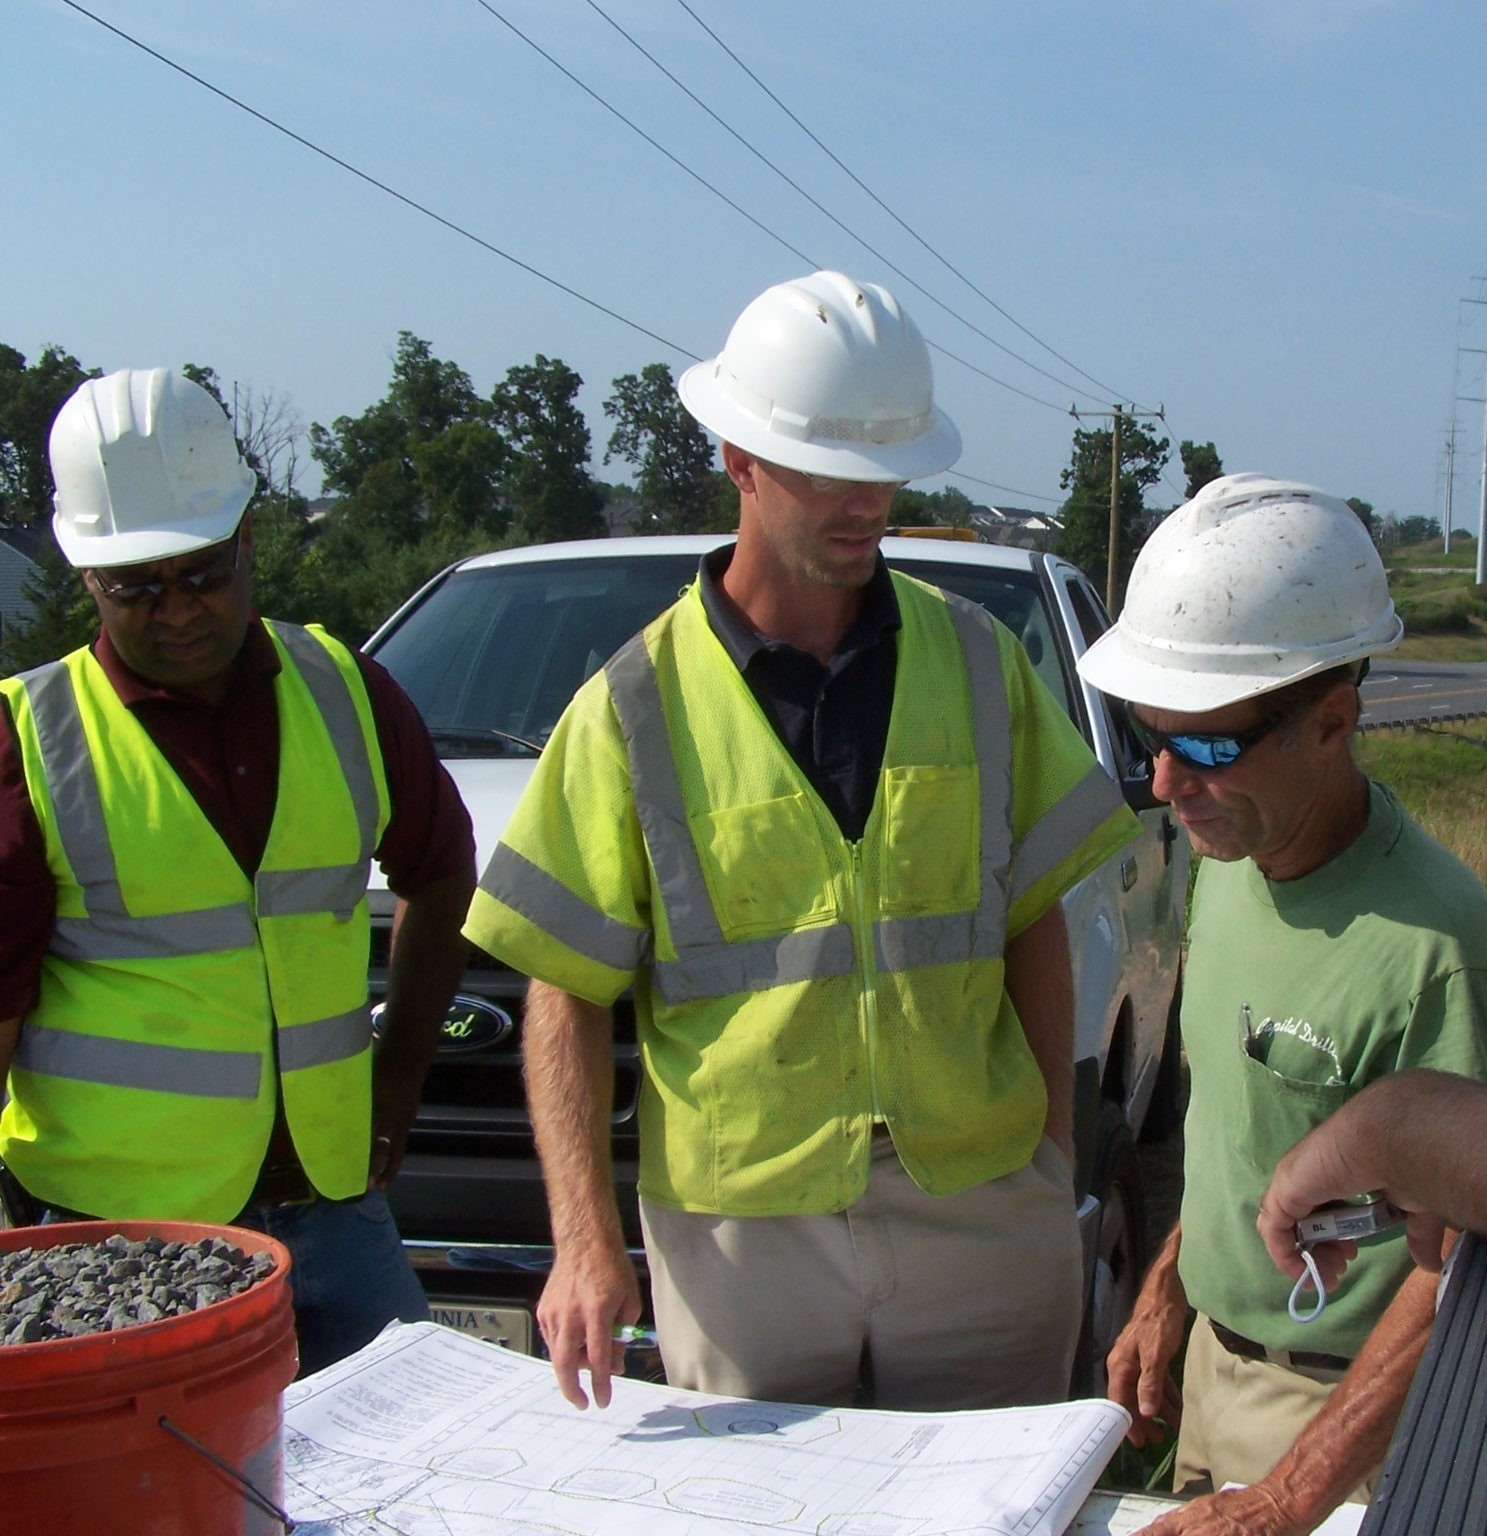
x,y
1239,1417
966,1301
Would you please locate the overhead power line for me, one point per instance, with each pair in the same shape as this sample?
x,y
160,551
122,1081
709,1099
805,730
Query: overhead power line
x,y
634,127
815,203
382,186
957,474
902,223
614,111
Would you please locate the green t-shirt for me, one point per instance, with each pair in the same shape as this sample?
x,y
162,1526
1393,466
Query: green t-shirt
x,y
1297,994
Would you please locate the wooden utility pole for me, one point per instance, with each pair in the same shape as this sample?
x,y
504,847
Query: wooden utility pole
x,y
1118,416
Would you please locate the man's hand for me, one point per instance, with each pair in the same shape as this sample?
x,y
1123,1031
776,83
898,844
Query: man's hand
x,y
1418,1136
1138,1372
570,1085
585,1298
1253,1511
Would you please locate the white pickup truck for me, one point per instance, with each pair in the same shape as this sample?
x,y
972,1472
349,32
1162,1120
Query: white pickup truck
x,y
491,651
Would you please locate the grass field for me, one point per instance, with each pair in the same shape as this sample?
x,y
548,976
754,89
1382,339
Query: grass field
x,y
1444,611
1440,774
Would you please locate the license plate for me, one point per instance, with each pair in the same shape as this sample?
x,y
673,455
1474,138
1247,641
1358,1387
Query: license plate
x,y
511,1326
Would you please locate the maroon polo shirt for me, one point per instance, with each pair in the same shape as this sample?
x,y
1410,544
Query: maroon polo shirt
x,y
228,757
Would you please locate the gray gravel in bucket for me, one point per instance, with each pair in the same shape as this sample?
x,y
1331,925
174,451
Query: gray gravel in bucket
x,y
83,1288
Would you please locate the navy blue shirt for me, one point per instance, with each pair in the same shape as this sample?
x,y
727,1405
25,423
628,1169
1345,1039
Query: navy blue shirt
x,y
832,718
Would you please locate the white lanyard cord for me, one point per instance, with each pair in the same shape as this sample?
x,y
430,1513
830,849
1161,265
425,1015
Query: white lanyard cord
x,y
1313,1274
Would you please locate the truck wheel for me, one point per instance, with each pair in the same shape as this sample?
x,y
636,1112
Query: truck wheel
x,y
1120,1256
1164,1113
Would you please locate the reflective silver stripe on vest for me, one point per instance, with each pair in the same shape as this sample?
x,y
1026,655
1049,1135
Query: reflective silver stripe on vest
x,y
752,965
548,904
1061,829
108,932
133,1064
708,966
74,787
166,937
658,798
332,696
325,1040
298,892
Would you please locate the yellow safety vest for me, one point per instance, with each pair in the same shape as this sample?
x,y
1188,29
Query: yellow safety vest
x,y
792,987
143,1082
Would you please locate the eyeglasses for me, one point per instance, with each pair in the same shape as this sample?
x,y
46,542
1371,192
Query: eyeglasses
x,y
829,485
210,576
1204,750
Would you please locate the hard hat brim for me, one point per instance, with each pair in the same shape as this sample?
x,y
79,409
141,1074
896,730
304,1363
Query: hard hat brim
x,y
927,454
1135,671
148,544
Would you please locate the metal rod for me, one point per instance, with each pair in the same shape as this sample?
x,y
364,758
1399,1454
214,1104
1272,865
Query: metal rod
x,y
253,1496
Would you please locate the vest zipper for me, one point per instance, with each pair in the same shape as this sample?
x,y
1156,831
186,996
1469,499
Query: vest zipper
x,y
864,939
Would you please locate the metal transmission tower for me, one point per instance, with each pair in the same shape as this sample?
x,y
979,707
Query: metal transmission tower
x,y
1482,508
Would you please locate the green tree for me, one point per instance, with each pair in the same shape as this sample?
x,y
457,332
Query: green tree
x,y
428,453
30,398
1365,514
654,431
1086,514
1200,463
546,483
62,613
947,508
418,482
1417,529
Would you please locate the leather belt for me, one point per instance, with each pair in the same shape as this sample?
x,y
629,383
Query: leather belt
x,y
284,1185
1248,1349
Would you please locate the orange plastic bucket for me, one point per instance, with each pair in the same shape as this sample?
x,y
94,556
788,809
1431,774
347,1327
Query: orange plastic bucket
x,y
82,1448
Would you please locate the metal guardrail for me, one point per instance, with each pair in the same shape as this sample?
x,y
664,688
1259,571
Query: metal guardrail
x,y
1418,721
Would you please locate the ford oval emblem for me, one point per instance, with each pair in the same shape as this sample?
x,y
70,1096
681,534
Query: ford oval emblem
x,y
472,1024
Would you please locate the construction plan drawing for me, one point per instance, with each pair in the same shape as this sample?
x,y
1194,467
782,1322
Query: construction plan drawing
x,y
427,1432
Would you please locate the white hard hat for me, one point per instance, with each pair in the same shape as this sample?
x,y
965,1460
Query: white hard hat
x,y
1251,585
829,377
146,468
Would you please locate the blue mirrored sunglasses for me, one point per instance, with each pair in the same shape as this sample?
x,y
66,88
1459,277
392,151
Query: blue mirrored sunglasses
x,y
1203,750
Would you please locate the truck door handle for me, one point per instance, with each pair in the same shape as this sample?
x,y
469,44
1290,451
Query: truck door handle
x,y
1169,836
1128,873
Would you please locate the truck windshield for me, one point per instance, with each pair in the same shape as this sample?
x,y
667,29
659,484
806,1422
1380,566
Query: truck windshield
x,y
492,656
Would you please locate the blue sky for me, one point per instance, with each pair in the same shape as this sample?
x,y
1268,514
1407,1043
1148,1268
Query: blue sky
x,y
1262,214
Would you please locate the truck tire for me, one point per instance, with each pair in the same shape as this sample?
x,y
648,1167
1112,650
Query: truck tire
x,y
1120,1258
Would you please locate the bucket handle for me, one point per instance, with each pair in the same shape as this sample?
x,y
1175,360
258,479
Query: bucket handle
x,y
252,1494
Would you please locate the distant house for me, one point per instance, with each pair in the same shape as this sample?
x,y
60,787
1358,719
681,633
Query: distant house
x,y
1016,526
17,548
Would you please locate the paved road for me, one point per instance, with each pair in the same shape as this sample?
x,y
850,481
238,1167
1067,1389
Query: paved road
x,y
1398,692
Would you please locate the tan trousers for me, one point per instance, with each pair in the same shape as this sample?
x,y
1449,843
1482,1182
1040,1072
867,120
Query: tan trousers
x,y
966,1301
1239,1417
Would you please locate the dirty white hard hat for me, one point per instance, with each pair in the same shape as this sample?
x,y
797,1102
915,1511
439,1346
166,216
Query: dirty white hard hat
x,y
827,376
146,468
1253,584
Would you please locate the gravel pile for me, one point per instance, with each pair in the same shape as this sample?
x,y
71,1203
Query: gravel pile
x,y
82,1288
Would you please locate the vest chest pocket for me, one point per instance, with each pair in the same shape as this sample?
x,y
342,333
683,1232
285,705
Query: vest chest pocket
x,y
764,866
932,839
